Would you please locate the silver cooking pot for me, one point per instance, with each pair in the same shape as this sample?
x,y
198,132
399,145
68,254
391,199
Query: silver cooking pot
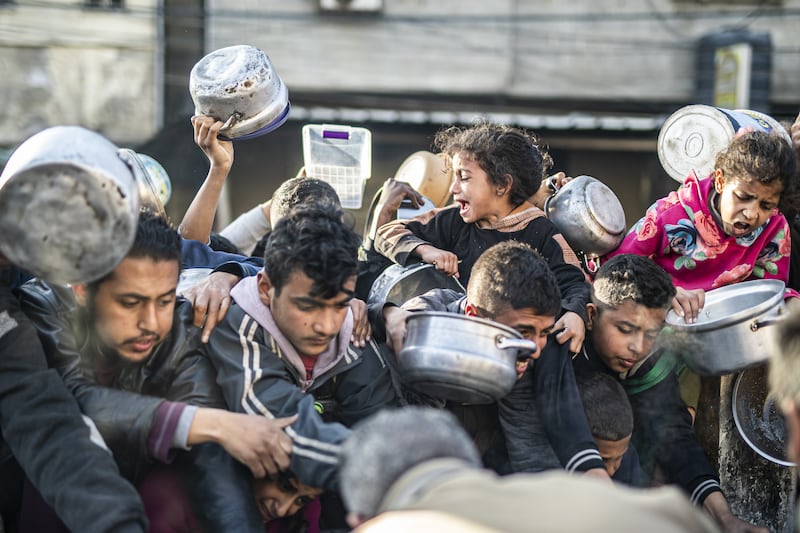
x,y
589,216
460,358
757,416
68,205
732,332
398,284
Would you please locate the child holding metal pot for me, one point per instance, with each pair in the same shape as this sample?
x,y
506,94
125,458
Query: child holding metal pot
x,y
631,296
540,424
724,228
496,169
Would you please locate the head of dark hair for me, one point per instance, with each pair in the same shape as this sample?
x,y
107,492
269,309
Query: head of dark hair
x,y
765,157
304,190
500,151
630,277
513,275
221,243
607,408
315,241
155,239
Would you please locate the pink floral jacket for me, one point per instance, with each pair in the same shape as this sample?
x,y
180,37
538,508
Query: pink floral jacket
x,y
682,236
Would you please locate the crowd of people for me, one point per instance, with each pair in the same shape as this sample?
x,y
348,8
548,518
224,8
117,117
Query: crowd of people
x,y
266,396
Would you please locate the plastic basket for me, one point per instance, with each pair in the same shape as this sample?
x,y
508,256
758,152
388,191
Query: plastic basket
x,y
340,155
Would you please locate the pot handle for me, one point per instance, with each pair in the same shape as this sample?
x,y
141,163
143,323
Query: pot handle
x,y
505,343
755,325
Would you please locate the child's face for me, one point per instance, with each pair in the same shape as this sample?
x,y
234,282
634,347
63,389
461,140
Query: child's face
x,y
278,498
745,204
478,199
626,334
612,451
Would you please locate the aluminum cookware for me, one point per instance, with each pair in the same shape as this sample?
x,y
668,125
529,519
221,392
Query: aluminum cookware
x,y
398,284
589,216
239,86
758,418
692,136
733,331
68,205
460,358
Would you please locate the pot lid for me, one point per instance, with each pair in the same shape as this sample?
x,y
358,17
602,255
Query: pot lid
x,y
605,208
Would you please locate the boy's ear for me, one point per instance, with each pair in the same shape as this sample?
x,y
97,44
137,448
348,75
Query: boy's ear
x,y
264,286
591,315
79,291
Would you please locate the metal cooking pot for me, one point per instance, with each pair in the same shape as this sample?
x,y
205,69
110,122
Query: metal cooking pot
x,y
239,86
731,332
398,284
589,216
460,358
757,416
68,205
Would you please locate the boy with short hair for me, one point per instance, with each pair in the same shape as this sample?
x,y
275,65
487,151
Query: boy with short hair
x,y
542,418
284,347
610,418
631,295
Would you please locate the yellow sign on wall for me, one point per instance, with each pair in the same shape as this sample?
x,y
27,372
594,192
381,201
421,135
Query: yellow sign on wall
x,y
732,67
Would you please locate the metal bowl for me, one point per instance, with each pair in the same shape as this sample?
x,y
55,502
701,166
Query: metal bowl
x,y
757,416
588,214
460,358
68,205
733,331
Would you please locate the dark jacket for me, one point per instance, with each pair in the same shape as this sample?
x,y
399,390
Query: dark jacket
x,y
127,411
662,426
43,429
256,378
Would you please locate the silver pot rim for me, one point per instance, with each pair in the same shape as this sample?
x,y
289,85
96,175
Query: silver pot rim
x,y
745,287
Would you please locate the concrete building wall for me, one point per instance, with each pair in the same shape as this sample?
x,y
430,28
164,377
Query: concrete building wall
x,y
613,50
62,63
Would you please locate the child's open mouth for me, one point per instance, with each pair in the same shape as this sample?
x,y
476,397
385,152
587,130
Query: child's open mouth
x,y
463,206
741,228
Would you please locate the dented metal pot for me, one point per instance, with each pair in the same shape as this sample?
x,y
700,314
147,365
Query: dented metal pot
x,y
68,205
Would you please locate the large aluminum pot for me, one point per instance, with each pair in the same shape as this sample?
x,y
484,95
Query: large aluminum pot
x,y
68,205
239,86
732,332
758,418
589,216
460,358
398,284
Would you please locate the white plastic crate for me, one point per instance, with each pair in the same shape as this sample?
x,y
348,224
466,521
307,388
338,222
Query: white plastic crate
x,y
340,155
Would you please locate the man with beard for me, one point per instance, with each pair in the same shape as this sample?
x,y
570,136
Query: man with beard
x,y
126,348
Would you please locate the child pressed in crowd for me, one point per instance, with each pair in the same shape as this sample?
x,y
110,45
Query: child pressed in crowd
x,y
495,170
724,228
610,418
